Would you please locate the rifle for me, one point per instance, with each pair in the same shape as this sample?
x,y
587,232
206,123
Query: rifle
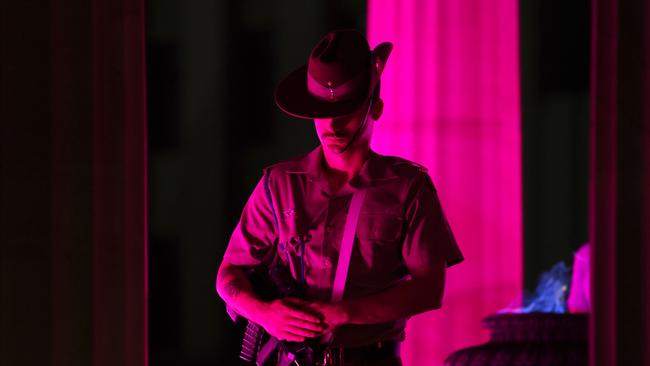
x,y
258,346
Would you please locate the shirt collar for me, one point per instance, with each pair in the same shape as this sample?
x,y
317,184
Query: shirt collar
x,y
376,169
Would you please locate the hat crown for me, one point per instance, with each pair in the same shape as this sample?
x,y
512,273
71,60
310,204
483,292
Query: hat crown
x,y
339,57
340,76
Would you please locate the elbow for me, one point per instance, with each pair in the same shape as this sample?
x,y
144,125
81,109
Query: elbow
x,y
432,299
222,295
425,305
230,278
217,289
219,280
435,300
430,284
436,305
427,301
221,290
429,297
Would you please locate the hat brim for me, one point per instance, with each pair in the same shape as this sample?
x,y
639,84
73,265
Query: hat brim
x,y
293,98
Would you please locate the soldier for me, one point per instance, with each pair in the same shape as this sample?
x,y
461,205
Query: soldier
x,y
362,233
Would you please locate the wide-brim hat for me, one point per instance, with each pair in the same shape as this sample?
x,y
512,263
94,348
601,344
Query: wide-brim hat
x,y
340,76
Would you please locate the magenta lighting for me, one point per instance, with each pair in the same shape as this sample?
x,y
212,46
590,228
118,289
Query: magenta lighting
x,y
452,104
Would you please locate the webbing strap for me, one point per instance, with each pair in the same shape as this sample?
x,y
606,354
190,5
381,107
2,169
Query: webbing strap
x,y
346,245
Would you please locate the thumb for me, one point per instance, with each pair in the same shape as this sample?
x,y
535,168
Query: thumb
x,y
296,301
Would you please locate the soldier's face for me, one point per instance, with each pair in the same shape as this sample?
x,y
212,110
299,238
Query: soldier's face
x,y
336,133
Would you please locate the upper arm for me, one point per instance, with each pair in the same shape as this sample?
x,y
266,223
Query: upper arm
x,y
432,281
429,246
253,241
428,239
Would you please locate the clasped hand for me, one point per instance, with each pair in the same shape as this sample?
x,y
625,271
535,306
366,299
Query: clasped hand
x,y
295,320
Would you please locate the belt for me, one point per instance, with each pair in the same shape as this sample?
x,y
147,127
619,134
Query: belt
x,y
374,352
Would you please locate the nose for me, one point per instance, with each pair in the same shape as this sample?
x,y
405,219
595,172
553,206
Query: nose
x,y
333,125
338,123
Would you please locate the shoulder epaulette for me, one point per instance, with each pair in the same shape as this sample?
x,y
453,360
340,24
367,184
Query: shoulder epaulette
x,y
420,167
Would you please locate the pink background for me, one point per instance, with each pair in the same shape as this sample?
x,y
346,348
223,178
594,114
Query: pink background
x,y
451,92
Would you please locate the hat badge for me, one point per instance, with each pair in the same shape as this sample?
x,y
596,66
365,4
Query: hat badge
x,y
332,95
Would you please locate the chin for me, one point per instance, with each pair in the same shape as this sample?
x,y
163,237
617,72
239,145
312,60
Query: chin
x,y
335,147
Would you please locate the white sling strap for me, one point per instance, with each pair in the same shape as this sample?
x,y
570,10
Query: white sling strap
x,y
346,244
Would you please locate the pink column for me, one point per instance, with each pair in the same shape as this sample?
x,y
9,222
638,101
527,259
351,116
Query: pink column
x,y
451,90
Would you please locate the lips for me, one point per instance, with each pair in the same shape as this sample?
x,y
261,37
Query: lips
x,y
335,138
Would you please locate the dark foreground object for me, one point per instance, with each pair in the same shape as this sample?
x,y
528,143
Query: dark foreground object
x,y
535,339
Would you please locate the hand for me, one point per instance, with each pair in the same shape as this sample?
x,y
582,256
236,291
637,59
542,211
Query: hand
x,y
334,314
290,319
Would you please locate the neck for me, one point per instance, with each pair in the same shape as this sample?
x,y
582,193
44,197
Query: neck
x,y
345,165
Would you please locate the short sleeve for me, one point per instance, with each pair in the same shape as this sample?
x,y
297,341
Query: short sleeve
x,y
253,242
428,237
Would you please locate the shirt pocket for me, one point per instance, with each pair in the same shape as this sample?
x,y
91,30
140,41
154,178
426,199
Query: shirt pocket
x,y
379,227
378,255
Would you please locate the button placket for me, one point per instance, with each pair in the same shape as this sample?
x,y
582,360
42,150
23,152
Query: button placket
x,y
327,238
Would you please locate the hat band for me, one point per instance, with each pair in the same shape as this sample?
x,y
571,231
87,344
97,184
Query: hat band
x,y
346,91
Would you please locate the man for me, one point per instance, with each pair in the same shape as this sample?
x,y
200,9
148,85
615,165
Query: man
x,y
299,212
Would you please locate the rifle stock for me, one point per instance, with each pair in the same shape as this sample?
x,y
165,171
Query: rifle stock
x,y
269,284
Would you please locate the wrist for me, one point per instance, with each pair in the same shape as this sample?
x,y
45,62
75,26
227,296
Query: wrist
x,y
258,310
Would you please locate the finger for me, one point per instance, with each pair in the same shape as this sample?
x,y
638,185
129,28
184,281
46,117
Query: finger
x,y
296,301
291,337
306,325
302,332
300,314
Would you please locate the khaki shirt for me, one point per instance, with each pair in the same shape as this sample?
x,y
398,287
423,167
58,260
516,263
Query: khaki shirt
x,y
401,228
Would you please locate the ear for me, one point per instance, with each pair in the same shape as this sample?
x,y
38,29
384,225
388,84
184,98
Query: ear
x,y
377,109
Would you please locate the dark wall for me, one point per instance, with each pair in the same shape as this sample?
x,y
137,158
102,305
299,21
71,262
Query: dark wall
x,y
620,178
213,126
72,183
25,178
554,44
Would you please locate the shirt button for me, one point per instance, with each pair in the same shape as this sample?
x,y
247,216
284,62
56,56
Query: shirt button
x,y
327,263
329,228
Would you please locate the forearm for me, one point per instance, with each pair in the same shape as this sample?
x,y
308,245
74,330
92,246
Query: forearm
x,y
403,300
284,318
235,289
